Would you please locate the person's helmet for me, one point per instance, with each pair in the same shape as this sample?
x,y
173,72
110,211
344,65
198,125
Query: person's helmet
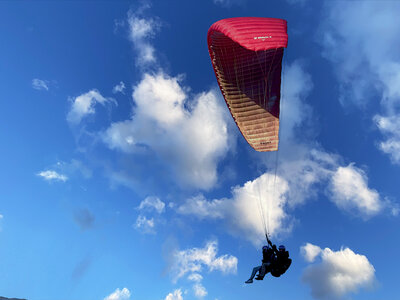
x,y
266,247
282,248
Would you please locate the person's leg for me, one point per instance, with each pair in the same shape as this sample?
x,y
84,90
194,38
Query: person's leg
x,y
263,270
255,270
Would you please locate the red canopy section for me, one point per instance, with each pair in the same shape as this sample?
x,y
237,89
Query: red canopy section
x,y
246,55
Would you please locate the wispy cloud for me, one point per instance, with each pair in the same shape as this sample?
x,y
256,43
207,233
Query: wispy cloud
x,y
74,166
200,207
39,84
195,277
63,171
338,273
175,295
296,111
141,31
152,203
118,294
84,105
119,88
367,70
390,128
195,259
191,262
199,290
189,135
145,225
51,175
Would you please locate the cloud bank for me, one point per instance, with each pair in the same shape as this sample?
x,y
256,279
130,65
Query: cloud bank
x,y
304,167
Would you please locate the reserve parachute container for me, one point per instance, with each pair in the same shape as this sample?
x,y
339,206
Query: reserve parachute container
x,y
246,54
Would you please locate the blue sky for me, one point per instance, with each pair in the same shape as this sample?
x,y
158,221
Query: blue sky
x,y
124,176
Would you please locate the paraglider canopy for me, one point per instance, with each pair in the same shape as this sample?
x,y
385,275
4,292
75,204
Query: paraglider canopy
x,y
246,54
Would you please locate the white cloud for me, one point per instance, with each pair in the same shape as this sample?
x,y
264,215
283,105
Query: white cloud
x,y
304,171
367,70
264,198
199,290
303,167
119,88
39,84
63,171
310,252
350,191
193,260
176,295
145,225
201,208
73,167
295,111
140,31
298,179
123,294
190,136
390,127
338,273
151,203
84,105
195,277
51,175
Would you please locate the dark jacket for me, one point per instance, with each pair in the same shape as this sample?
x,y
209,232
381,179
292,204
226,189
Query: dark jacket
x,y
268,255
282,262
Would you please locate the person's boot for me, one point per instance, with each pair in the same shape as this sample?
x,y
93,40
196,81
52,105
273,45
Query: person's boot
x,y
249,281
258,277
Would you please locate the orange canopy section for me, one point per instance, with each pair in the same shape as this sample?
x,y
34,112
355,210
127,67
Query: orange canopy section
x,y
246,54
